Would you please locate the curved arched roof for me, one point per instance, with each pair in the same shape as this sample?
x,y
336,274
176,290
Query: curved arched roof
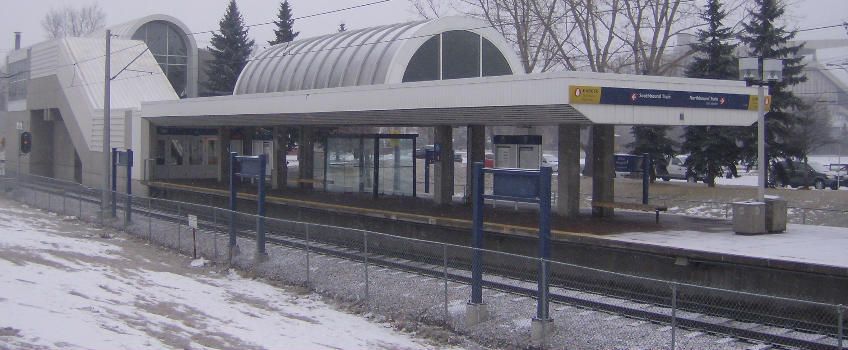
x,y
127,29
369,56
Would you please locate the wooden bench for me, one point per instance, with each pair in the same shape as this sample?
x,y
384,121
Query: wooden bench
x,y
311,181
632,206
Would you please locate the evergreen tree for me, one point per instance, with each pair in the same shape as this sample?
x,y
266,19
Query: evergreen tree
x,y
711,147
654,141
285,24
230,50
768,41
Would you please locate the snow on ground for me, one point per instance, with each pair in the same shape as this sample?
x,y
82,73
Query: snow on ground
x,y
64,286
802,243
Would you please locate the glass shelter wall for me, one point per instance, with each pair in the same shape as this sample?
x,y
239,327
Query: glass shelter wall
x,y
358,163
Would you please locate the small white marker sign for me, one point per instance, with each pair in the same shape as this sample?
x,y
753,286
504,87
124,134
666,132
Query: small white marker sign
x,y
192,221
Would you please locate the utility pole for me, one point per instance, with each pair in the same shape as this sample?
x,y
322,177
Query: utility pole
x,y
104,201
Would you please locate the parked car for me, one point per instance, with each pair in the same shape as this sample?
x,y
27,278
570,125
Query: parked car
x,y
797,174
551,161
489,160
841,171
676,169
422,152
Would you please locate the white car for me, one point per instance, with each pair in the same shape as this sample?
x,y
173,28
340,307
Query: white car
x,y
677,170
551,161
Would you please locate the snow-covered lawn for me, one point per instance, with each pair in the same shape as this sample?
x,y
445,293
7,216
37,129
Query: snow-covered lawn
x,y
62,285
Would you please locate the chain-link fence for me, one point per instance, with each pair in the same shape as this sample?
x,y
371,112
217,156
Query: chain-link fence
x,y
411,281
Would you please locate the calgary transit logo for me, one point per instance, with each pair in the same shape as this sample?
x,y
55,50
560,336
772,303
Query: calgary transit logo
x,y
578,92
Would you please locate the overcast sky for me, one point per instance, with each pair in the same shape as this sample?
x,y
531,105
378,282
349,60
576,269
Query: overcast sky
x,y
203,15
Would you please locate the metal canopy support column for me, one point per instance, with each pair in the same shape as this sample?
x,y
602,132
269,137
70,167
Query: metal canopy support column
x,y
603,161
306,155
443,192
476,138
568,177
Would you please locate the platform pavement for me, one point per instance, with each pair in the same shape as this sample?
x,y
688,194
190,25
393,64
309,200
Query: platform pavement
x,y
804,248
807,244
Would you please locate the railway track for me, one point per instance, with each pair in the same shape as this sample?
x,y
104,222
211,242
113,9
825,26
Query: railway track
x,y
775,328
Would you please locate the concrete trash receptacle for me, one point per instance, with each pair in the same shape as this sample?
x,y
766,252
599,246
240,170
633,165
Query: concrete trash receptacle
x,y
749,217
775,214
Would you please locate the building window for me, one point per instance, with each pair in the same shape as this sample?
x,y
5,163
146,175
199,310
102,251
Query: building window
x,y
18,77
459,52
168,45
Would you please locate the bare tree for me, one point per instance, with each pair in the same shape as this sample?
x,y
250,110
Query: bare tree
x,y
72,22
813,130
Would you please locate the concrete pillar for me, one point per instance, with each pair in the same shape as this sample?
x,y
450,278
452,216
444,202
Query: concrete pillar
x,y
443,170
224,157
603,137
278,135
305,155
476,137
568,178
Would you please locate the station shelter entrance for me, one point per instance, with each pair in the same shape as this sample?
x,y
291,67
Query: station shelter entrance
x,y
381,164
186,153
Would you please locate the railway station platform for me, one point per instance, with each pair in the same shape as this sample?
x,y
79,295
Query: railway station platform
x,y
806,261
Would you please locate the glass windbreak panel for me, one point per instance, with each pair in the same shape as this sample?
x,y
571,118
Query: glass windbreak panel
x,y
460,54
212,152
195,155
424,64
342,164
160,152
396,157
366,169
494,62
176,152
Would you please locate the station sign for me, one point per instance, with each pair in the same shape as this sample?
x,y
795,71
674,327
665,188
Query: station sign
x,y
662,98
628,163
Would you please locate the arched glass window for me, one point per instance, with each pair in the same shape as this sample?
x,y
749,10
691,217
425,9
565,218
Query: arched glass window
x,y
459,52
167,44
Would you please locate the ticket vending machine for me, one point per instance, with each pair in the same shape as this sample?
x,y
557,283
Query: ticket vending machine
x,y
517,151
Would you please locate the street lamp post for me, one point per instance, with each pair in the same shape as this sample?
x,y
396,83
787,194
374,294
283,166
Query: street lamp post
x,y
761,72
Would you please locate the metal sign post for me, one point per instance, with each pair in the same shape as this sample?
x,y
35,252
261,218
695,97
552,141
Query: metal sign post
x,y
253,168
529,186
114,181
631,163
192,222
122,158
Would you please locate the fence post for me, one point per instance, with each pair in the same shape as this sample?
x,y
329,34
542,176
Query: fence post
x,y
365,255
673,314
445,271
214,235
803,216
840,327
179,237
149,220
307,256
64,213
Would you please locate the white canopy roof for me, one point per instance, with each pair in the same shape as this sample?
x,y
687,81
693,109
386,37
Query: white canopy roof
x,y
532,99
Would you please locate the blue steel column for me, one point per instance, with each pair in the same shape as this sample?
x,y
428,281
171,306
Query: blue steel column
x,y
260,221
544,241
232,199
477,233
646,176
114,181
129,184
